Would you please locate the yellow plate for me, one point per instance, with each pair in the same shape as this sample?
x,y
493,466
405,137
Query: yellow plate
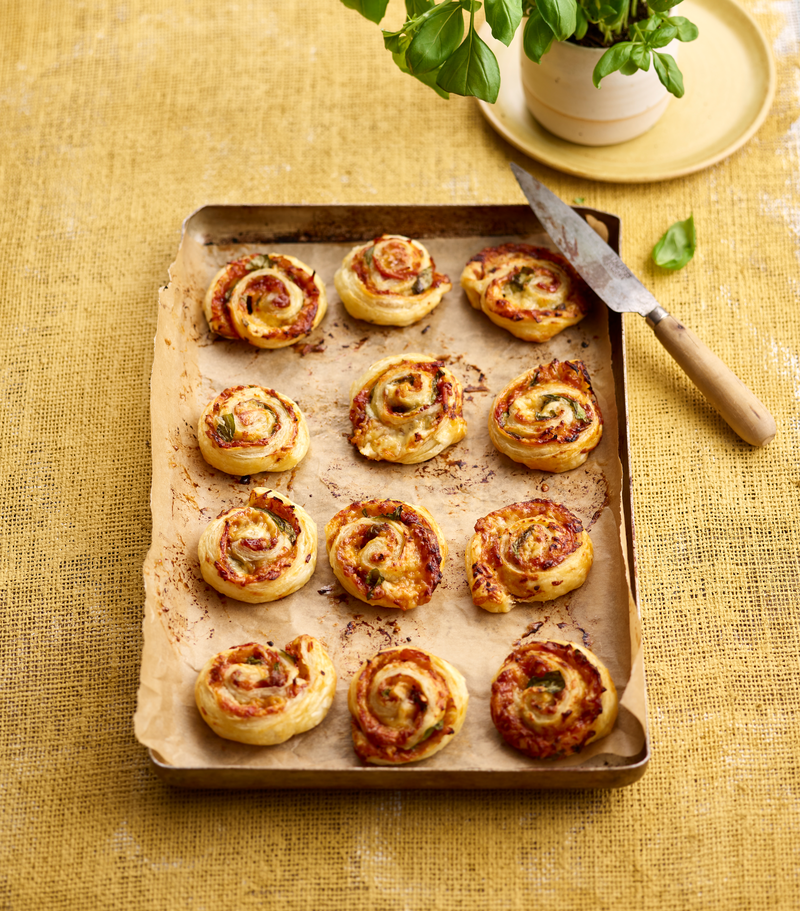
x,y
729,76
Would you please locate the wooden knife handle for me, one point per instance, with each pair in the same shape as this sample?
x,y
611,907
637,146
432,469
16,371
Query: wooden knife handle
x,y
718,383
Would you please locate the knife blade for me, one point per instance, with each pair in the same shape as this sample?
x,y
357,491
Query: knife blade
x,y
615,284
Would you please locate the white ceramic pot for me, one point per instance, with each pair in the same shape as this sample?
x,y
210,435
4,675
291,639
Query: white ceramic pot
x,y
560,94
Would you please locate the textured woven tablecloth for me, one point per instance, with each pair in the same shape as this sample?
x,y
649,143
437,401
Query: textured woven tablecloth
x,y
117,120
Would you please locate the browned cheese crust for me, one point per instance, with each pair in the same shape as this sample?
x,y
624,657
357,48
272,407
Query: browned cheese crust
x,y
551,699
261,694
532,551
530,291
548,418
261,551
386,552
405,705
391,281
269,300
406,409
247,429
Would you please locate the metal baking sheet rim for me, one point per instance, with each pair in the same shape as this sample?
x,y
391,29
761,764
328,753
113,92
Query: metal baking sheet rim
x,y
326,223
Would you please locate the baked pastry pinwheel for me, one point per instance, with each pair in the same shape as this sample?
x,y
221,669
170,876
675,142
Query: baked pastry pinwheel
x,y
264,695
247,429
270,300
532,551
548,418
406,408
532,292
386,552
259,552
551,699
406,705
390,281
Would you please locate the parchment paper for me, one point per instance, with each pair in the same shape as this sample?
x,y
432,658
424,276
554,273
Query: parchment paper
x,y
186,621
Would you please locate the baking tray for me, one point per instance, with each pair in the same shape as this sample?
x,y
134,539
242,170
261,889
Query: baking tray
x,y
186,622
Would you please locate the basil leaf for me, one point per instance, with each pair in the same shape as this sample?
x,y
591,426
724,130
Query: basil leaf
x,y
662,36
418,7
649,25
226,427
687,31
429,731
560,15
287,656
471,70
614,59
260,262
668,73
581,22
676,246
551,682
396,514
428,79
577,408
640,55
662,6
537,36
423,282
519,279
629,67
504,17
521,540
374,10
374,579
253,660
396,42
282,524
437,38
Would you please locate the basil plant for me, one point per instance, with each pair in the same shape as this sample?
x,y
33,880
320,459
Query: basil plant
x,y
432,47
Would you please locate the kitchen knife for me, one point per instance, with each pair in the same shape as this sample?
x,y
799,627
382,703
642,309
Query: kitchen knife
x,y
614,283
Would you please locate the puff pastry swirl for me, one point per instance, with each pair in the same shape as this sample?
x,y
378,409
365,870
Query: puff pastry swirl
x,y
532,292
406,705
269,300
548,418
406,408
390,281
264,695
386,552
247,429
552,698
259,552
532,551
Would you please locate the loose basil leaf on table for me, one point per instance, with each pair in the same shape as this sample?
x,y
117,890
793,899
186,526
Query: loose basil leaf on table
x,y
676,246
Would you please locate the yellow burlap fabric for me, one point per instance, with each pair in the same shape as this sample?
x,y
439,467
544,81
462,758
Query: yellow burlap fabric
x,y
117,120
